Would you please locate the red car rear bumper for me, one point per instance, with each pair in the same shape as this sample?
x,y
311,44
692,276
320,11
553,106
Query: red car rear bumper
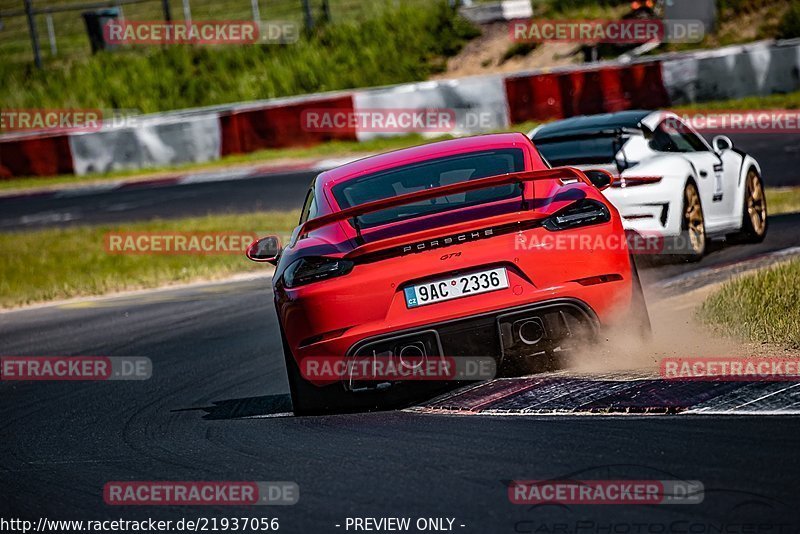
x,y
332,318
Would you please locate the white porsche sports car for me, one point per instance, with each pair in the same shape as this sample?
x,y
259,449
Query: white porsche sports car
x,y
669,181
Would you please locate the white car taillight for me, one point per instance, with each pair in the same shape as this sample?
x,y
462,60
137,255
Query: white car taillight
x,y
632,181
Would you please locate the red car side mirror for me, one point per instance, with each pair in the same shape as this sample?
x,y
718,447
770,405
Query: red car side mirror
x,y
264,250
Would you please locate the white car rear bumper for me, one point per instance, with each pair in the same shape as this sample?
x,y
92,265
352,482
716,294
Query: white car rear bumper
x,y
650,209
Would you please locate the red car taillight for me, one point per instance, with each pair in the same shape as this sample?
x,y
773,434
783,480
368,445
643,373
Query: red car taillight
x,y
581,213
308,270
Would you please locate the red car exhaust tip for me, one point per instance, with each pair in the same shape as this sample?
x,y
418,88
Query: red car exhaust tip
x,y
531,331
412,356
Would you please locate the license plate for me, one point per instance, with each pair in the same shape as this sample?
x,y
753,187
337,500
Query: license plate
x,y
456,286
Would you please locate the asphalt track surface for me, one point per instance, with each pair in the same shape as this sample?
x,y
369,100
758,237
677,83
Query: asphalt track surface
x,y
215,409
778,154
281,191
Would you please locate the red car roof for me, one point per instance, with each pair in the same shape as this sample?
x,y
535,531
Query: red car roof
x,y
420,153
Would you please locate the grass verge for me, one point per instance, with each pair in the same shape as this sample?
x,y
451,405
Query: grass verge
x,y
778,101
54,264
75,261
762,307
783,200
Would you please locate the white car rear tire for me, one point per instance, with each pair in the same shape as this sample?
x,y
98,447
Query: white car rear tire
x,y
693,241
754,212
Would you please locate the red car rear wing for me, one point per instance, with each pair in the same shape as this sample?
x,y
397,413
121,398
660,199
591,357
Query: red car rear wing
x,y
558,173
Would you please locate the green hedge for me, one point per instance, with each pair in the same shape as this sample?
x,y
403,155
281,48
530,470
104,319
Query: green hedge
x,y
400,45
789,26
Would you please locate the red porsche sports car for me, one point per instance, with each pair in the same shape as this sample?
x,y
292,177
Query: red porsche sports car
x,y
465,247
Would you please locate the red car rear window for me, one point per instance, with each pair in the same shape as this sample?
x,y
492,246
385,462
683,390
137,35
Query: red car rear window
x,y
429,174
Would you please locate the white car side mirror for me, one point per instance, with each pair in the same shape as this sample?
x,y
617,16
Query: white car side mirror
x,y
721,143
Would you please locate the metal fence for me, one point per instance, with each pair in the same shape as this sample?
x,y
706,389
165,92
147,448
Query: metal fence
x,y
57,29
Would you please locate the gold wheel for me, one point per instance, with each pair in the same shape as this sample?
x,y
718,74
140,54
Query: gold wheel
x,y
756,204
693,219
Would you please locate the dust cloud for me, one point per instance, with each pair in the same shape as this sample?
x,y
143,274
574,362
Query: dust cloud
x,y
677,332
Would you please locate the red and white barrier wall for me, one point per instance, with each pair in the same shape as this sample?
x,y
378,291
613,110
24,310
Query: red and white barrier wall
x,y
35,155
555,95
279,124
481,103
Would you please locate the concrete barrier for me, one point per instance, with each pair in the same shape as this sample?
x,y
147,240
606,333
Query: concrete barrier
x,y
732,72
155,142
479,103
